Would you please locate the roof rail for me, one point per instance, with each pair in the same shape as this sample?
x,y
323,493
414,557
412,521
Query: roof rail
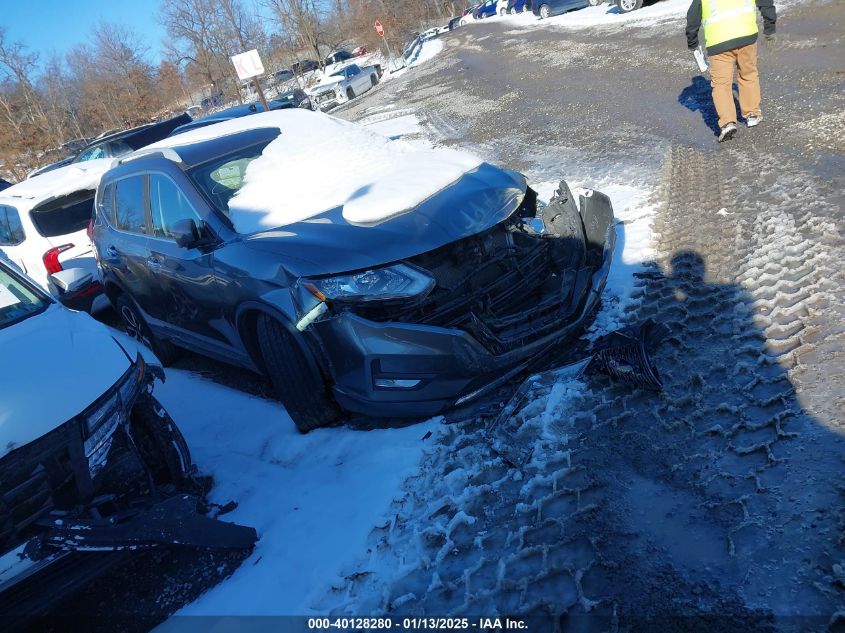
x,y
165,152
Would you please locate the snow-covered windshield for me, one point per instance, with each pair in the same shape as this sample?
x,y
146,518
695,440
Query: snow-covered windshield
x,y
17,301
222,178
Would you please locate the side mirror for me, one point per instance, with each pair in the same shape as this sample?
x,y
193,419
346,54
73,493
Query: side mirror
x,y
186,233
72,280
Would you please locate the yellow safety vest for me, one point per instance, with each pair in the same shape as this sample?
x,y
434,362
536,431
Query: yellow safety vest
x,y
725,20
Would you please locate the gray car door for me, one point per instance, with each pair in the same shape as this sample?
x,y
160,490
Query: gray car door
x,y
187,300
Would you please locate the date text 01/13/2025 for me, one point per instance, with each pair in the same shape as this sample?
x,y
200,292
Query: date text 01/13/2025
x,y
491,625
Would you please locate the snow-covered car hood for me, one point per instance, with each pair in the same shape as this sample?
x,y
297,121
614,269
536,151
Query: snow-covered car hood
x,y
329,243
54,365
326,82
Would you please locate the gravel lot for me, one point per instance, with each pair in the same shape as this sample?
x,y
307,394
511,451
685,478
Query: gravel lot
x,y
718,504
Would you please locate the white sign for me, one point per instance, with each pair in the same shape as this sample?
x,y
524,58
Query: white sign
x,y
248,65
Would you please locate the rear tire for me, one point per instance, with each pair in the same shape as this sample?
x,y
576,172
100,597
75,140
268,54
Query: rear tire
x,y
503,12
300,387
373,80
137,328
545,12
626,6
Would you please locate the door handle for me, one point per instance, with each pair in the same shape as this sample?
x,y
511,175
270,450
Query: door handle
x,y
111,251
152,262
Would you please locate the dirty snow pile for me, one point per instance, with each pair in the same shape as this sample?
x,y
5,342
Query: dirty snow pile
x,y
312,498
319,163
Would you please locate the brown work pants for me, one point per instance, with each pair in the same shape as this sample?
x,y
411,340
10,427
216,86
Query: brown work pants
x,y
722,78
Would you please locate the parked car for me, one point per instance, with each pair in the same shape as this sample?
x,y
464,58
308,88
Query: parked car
x,y
51,166
92,467
337,57
44,222
281,76
415,282
239,111
4,184
548,8
215,101
128,141
343,85
296,98
305,66
485,9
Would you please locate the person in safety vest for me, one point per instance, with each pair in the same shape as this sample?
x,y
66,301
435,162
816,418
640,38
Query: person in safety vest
x,y
730,36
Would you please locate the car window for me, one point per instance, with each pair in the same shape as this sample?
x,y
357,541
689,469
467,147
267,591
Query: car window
x,y
98,151
11,229
168,205
221,179
129,205
354,70
17,301
119,148
64,215
106,206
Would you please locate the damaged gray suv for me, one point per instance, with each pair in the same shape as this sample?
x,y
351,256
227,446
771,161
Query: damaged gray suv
x,y
357,272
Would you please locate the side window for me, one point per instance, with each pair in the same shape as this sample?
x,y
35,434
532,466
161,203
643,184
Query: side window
x,y
129,205
119,148
98,151
11,229
168,205
353,70
105,207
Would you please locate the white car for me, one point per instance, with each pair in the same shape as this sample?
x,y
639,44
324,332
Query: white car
x,y
44,223
343,85
89,459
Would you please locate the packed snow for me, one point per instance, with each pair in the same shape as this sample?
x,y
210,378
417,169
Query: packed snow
x,y
313,498
59,182
306,171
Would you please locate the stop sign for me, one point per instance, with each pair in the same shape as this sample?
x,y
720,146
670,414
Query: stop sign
x,y
379,28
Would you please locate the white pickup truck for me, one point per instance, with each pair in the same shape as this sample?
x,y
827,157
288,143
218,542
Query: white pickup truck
x,y
343,85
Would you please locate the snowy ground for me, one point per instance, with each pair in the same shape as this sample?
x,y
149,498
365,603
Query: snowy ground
x,y
719,497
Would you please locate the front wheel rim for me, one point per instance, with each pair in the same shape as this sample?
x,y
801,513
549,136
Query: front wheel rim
x,y
544,12
628,5
133,325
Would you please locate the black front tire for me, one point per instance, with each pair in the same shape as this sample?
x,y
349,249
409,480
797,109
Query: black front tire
x,y
350,94
297,384
137,328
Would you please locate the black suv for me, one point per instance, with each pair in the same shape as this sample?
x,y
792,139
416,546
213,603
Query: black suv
x,y
402,317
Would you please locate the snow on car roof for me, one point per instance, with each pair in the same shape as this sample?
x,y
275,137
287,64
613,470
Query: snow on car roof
x,y
58,182
319,162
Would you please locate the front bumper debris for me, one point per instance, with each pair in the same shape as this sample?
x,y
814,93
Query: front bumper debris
x,y
502,298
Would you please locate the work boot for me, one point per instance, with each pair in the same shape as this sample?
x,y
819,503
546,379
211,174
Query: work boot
x,y
727,132
753,119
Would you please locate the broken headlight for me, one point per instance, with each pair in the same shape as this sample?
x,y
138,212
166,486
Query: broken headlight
x,y
379,284
102,421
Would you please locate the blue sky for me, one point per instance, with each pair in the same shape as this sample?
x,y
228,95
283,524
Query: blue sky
x,y
58,25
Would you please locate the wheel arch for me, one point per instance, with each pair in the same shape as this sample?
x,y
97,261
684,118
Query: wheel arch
x,y
246,319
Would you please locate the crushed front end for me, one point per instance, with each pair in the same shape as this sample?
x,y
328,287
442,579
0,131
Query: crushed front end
x,y
499,298
117,478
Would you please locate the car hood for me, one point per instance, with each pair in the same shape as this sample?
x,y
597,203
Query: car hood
x,y
54,365
324,84
327,243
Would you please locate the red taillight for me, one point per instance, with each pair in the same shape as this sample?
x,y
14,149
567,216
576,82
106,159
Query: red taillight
x,y
90,229
51,258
